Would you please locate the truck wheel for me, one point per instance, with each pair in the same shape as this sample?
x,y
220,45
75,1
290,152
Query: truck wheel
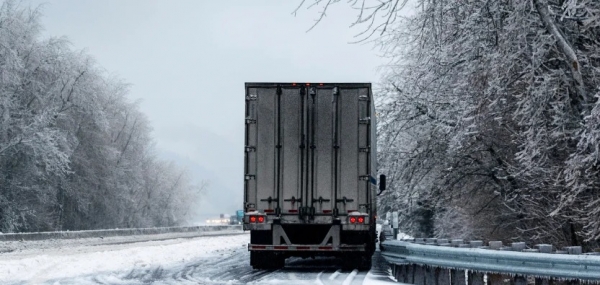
x,y
277,261
257,260
365,262
356,261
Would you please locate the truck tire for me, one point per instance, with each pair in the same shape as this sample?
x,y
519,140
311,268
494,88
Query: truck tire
x,y
257,260
356,261
277,261
365,262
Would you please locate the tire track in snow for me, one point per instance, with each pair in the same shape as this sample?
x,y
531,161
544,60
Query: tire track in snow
x,y
232,266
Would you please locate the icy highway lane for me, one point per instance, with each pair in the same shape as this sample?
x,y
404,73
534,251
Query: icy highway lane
x,y
166,259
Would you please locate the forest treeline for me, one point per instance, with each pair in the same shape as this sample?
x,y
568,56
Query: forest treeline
x,y
75,152
490,120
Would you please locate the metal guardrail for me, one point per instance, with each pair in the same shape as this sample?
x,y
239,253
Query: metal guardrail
x,y
113,232
501,261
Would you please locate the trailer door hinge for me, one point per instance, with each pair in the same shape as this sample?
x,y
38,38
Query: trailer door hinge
x,y
250,121
320,200
344,200
363,98
269,200
293,200
249,148
251,97
364,149
249,177
365,120
364,178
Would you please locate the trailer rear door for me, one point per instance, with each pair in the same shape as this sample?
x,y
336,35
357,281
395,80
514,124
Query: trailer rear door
x,y
308,148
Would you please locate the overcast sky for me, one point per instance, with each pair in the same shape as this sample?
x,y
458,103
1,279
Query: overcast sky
x,y
187,60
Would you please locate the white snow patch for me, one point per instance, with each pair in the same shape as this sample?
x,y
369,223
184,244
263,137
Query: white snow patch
x,y
318,281
335,274
372,279
37,265
350,277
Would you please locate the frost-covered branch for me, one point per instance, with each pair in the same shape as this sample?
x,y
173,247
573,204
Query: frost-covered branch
x,y
564,46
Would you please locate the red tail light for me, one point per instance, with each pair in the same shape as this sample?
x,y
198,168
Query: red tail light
x,y
361,220
253,219
352,220
261,219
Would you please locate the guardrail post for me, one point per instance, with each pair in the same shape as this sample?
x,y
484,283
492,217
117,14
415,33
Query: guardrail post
x,y
457,242
544,248
457,277
495,244
400,272
476,278
443,276
410,274
518,246
498,279
420,273
404,273
431,276
573,249
543,281
519,280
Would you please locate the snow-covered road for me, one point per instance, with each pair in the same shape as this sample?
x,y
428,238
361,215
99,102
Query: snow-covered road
x,y
166,259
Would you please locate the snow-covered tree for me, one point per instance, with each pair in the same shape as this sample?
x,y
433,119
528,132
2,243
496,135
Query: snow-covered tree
x,y
489,115
75,153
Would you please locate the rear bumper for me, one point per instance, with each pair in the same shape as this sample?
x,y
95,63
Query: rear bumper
x,y
268,226
306,247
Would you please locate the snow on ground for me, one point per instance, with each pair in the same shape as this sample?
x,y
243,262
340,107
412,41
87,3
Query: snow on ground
x,y
167,259
38,262
373,279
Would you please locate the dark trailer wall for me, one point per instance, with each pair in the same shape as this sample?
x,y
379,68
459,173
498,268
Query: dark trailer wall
x,y
310,151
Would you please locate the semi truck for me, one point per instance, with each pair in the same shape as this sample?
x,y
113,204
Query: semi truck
x,y
310,172
238,218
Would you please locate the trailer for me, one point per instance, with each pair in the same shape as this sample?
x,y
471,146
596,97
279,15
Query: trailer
x,y
237,218
309,171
